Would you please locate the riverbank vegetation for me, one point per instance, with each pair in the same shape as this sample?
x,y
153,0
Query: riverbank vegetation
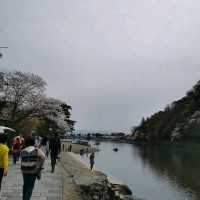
x,y
24,105
178,121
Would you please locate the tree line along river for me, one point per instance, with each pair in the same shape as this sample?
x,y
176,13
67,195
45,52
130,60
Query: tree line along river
x,y
167,172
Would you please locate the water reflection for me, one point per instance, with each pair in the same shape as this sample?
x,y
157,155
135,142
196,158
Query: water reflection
x,y
179,165
159,172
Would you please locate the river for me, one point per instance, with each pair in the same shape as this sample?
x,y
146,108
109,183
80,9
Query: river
x,y
165,172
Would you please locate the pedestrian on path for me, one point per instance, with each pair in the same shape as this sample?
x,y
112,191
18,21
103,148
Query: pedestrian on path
x,y
3,157
54,148
32,160
70,148
16,148
92,156
63,147
44,145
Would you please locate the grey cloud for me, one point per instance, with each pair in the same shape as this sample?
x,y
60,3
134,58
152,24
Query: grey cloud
x,y
114,61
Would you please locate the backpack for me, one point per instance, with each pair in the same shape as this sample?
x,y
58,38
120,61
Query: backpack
x,y
29,161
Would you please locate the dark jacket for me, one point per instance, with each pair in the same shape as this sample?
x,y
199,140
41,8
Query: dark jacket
x,y
55,145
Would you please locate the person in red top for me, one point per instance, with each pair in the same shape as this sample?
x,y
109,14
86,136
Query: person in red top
x,y
16,148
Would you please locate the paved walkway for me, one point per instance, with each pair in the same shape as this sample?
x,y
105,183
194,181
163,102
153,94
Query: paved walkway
x,y
48,188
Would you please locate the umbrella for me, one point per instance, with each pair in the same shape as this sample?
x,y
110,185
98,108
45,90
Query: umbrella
x,y
3,128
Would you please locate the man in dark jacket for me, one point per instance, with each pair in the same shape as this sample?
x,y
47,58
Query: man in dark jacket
x,y
54,148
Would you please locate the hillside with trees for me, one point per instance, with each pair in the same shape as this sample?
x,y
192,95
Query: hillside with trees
x,y
24,105
178,121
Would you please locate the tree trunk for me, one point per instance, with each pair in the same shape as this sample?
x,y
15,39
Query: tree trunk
x,y
14,111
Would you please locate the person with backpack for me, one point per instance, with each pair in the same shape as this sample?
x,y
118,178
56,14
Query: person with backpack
x,y
3,157
55,149
32,160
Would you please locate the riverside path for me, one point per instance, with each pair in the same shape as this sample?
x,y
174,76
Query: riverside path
x,y
48,188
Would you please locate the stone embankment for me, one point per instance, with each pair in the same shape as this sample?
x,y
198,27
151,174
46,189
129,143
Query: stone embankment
x,y
87,184
72,180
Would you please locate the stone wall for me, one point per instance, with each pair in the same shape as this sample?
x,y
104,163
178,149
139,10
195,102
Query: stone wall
x,y
91,185
105,191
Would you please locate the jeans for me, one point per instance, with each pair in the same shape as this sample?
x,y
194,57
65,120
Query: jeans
x,y
91,164
29,182
54,156
15,156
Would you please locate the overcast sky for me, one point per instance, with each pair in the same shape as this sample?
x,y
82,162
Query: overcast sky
x,y
114,61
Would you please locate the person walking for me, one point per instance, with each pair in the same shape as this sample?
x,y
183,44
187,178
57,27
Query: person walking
x,y
3,157
44,145
16,148
70,148
63,147
54,148
92,156
32,160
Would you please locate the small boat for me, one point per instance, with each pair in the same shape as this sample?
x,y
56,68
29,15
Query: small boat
x,y
81,142
97,143
115,149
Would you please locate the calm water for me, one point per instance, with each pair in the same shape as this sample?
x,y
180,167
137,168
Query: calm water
x,y
154,173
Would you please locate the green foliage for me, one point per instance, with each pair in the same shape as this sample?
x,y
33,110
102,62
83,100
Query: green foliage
x,y
23,99
48,127
161,124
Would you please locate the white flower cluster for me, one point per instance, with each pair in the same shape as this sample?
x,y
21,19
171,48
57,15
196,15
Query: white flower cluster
x,y
52,109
